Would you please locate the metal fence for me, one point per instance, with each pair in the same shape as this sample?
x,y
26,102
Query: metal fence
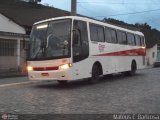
x,y
9,55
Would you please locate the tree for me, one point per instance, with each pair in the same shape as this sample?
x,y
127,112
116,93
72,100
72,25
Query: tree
x,y
152,36
34,1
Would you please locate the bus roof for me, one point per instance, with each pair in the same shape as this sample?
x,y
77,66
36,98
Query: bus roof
x,y
91,21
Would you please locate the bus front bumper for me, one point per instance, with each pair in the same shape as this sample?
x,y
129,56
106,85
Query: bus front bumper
x,y
50,75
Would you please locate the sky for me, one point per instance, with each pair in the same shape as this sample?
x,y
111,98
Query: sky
x,y
130,11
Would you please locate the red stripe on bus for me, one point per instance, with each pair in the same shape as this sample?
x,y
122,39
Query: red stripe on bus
x,y
45,68
134,52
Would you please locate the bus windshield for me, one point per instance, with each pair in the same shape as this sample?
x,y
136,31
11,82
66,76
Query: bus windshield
x,y
50,40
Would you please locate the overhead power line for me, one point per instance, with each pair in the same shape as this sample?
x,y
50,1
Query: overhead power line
x,y
156,3
130,13
89,11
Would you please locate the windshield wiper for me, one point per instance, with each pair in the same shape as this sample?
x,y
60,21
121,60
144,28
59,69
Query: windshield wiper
x,y
41,47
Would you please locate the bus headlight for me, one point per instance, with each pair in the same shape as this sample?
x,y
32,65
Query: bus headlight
x,y
65,66
29,68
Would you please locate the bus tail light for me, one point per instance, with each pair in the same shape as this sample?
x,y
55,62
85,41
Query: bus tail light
x,y
65,66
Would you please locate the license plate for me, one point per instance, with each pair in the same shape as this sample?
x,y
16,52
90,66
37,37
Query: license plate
x,y
45,74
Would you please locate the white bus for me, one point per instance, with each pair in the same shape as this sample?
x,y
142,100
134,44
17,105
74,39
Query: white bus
x,y
72,47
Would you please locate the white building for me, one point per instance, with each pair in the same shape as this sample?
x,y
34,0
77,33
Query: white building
x,y
12,54
151,54
158,52
16,20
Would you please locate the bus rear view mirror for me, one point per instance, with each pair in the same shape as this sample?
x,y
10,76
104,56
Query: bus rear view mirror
x,y
25,45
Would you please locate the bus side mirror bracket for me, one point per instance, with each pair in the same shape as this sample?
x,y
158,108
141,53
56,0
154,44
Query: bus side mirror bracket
x,y
25,45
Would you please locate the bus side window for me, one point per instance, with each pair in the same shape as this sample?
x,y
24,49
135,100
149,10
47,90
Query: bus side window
x,y
100,30
131,39
138,40
108,36
124,37
96,33
142,41
80,41
93,33
121,37
113,36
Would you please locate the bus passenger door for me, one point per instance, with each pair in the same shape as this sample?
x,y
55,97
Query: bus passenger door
x,y
80,52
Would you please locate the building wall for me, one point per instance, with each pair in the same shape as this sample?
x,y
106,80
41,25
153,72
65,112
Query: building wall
x,y
12,56
8,63
158,53
151,55
7,25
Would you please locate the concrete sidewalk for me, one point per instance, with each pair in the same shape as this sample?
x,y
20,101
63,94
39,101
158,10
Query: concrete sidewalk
x,y
11,74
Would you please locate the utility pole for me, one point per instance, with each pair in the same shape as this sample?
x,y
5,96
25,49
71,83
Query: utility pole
x,y
73,7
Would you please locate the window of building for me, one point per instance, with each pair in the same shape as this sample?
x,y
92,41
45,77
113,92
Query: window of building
x,y
8,47
96,33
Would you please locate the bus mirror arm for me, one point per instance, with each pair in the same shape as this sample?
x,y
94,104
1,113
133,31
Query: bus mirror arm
x,y
25,44
74,30
48,40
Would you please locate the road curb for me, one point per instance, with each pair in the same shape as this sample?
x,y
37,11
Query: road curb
x,y
11,76
20,83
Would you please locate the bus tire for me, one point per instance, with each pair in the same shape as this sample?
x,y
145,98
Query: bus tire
x,y
62,81
133,69
96,72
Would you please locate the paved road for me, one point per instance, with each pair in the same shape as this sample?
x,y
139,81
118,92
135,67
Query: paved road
x,y
118,94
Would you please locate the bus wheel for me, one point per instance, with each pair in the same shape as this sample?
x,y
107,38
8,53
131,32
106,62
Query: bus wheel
x,y
95,74
133,69
62,81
